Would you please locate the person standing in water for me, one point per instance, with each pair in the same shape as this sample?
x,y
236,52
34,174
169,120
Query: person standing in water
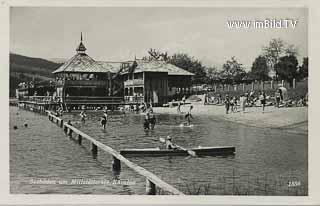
x,y
83,116
104,119
152,120
146,124
103,122
179,107
188,115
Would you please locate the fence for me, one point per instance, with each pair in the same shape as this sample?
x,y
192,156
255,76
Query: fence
x,y
151,179
256,85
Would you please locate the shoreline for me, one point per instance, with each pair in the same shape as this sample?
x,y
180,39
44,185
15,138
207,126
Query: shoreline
x,y
276,118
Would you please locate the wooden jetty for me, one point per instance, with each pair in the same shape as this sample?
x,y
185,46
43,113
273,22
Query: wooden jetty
x,y
152,181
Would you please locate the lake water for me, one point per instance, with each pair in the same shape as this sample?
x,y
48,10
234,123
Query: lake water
x,y
266,160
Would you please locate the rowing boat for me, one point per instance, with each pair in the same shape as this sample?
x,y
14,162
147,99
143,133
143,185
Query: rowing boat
x,y
200,151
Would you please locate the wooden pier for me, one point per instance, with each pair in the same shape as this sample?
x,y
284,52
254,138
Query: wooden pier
x,y
152,181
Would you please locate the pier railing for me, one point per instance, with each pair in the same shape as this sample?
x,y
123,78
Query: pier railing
x,y
151,179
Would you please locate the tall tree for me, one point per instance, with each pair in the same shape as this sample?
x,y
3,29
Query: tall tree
x,y
190,64
287,67
212,74
303,69
260,69
273,52
232,71
157,55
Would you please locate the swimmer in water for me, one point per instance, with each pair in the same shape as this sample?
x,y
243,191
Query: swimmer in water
x,y
83,116
188,115
103,122
152,120
146,124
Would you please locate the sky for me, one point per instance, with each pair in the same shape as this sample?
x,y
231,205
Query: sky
x,y
120,34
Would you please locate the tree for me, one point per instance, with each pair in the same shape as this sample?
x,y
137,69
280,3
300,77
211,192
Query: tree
x,y
273,52
190,64
291,50
232,71
157,55
260,69
287,67
303,69
212,74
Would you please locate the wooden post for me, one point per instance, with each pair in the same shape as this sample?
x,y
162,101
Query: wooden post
x,y
65,129
243,87
282,83
116,164
252,86
70,132
262,85
294,83
61,123
150,187
94,150
79,139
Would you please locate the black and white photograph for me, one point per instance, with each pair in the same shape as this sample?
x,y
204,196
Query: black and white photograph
x,y
158,101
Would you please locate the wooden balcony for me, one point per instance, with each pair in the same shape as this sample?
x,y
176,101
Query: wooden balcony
x,y
134,99
96,83
134,82
84,100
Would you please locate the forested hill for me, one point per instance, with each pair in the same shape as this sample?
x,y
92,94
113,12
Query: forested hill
x,y
24,69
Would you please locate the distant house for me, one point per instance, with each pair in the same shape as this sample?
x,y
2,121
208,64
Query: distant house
x,y
82,80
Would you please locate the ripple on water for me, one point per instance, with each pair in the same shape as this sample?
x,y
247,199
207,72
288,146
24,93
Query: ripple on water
x,y
262,155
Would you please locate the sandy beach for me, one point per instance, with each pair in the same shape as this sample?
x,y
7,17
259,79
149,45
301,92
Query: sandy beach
x,y
272,117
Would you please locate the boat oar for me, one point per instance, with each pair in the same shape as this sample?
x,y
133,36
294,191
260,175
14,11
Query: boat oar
x,y
190,152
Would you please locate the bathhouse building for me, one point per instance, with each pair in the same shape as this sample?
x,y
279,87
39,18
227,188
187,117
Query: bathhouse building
x,y
82,80
154,81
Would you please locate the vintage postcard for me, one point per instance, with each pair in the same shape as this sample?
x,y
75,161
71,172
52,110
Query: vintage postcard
x,y
112,101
